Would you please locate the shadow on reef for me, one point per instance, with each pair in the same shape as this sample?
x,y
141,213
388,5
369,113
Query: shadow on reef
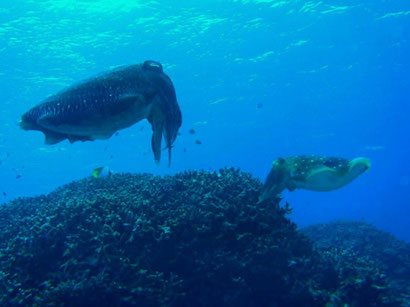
x,y
193,239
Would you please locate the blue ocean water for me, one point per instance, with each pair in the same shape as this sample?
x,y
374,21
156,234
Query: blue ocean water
x,y
255,79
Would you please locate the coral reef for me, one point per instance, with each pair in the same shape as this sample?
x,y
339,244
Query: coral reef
x,y
365,260
193,239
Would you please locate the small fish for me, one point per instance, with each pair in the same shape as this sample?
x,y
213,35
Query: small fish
x,y
102,171
4,194
184,149
18,176
374,148
259,105
192,131
198,142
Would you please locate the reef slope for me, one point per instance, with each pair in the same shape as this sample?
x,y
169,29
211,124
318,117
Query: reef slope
x,y
193,239
365,259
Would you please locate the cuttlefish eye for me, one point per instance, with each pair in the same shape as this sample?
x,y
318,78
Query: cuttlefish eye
x,y
364,168
152,65
278,162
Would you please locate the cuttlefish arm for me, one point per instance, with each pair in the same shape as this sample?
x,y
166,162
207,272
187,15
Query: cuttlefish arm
x,y
157,128
169,130
169,151
157,121
165,119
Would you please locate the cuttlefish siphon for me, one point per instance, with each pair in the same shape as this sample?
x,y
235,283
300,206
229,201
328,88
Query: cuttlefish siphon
x,y
97,107
311,173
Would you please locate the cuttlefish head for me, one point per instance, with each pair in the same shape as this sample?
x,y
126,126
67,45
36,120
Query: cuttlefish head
x,y
276,181
165,116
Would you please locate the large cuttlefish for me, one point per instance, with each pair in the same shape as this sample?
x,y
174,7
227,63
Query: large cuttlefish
x,y
96,108
311,173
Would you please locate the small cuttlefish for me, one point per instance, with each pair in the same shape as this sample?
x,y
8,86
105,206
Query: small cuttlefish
x,y
314,173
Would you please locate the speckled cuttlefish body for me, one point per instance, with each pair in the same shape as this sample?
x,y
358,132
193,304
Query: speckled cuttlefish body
x,y
96,108
312,173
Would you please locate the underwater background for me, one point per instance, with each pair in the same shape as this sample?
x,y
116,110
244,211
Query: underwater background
x,y
255,80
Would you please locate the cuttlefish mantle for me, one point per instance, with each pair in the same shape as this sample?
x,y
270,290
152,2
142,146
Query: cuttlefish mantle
x,y
313,173
98,107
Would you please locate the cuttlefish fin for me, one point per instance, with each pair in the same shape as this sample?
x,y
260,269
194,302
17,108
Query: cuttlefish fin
x,y
75,138
53,137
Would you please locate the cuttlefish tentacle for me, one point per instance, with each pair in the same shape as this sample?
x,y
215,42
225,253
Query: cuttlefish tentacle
x,y
157,121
